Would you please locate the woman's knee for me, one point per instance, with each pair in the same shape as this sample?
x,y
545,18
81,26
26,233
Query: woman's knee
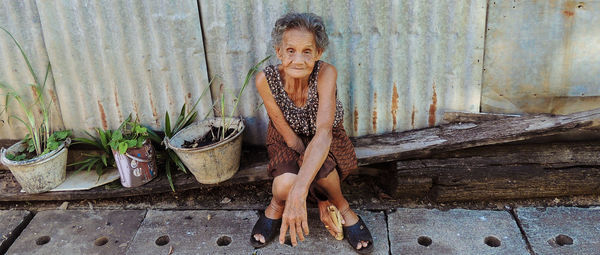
x,y
282,185
331,181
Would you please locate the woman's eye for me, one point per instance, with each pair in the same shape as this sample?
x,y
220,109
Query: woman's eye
x,y
290,51
307,52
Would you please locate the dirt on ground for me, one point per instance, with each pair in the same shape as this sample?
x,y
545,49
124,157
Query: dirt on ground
x,y
362,192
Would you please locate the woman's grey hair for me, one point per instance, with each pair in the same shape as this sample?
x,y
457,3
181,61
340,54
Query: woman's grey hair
x,y
309,21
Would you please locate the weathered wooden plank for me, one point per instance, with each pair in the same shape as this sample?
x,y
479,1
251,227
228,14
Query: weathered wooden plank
x,y
475,117
425,142
505,172
511,182
554,155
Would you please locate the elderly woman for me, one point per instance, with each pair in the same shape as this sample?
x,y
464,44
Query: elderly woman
x,y
309,151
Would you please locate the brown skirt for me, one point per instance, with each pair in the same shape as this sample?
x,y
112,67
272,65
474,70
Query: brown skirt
x,y
282,159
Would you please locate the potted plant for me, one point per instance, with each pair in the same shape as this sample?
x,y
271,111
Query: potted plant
x,y
168,157
39,161
98,161
211,148
133,153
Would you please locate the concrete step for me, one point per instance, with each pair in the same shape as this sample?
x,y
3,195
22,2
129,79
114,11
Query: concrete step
x,y
457,231
11,225
562,230
79,232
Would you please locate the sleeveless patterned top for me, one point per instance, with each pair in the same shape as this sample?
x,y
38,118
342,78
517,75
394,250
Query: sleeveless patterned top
x,y
303,120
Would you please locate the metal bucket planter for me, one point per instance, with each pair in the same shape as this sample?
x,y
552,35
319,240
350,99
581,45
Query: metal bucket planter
x,y
38,174
213,163
137,166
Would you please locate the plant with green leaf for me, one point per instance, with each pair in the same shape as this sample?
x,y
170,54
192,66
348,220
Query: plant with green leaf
x,y
40,139
103,159
227,124
131,134
186,117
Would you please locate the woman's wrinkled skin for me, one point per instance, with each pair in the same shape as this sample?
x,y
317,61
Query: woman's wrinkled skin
x,y
298,53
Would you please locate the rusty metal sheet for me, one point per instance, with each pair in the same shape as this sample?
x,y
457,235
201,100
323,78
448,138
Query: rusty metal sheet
x,y
400,63
542,57
112,58
21,19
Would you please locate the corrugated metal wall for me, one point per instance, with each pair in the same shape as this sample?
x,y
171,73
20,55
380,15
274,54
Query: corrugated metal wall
x,y
112,58
542,56
21,19
400,63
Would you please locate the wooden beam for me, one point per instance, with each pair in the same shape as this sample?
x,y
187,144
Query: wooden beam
x,y
425,142
505,172
474,117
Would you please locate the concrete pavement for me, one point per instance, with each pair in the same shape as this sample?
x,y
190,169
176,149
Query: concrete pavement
x,y
527,230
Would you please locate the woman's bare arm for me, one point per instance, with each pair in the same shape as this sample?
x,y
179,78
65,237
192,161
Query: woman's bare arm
x,y
276,115
318,148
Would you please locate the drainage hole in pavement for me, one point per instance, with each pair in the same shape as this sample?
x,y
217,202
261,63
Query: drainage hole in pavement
x,y
424,240
163,240
101,241
563,240
42,240
492,241
224,241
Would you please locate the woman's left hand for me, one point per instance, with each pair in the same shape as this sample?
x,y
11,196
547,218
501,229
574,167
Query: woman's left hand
x,y
294,217
326,218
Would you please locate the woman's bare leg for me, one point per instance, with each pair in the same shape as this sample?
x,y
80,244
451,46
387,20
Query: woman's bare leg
x,y
331,185
281,187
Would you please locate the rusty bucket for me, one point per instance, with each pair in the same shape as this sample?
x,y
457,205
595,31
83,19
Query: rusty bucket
x,y
215,162
137,166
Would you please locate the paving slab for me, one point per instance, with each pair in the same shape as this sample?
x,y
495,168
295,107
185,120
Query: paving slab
x,y
79,232
11,224
195,232
319,241
228,232
562,230
458,231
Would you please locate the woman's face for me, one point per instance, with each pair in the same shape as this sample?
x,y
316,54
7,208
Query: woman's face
x,y
298,53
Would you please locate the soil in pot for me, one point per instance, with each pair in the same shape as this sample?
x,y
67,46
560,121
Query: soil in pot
x,y
19,156
208,139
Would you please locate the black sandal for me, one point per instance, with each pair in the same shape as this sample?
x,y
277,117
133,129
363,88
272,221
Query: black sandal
x,y
359,232
268,228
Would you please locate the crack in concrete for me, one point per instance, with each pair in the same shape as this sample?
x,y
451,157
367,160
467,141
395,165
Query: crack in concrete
x,y
387,226
513,213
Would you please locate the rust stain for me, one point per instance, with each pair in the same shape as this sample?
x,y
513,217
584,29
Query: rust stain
x,y
154,113
135,108
355,120
102,116
35,95
568,13
394,106
567,40
375,111
432,107
412,117
117,105
52,96
33,91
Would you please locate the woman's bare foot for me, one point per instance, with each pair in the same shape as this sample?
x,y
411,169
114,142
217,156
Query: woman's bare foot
x,y
274,211
350,219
